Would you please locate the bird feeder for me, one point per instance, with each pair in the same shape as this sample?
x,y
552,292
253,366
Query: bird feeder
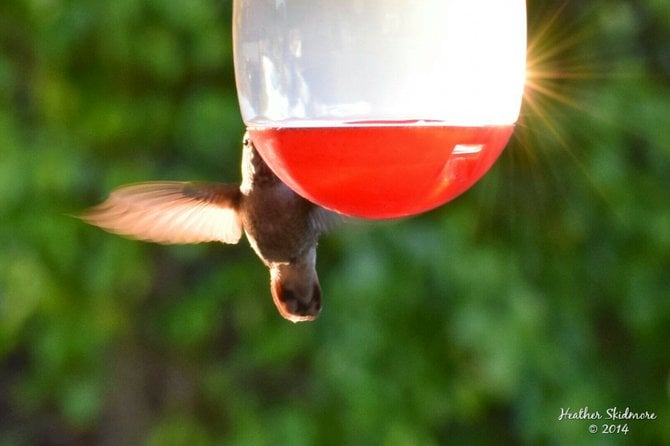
x,y
379,108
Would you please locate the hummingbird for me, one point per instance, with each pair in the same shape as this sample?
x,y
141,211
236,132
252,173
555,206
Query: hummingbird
x,y
282,227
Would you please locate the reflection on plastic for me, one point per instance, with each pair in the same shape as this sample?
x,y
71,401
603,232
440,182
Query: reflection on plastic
x,y
458,61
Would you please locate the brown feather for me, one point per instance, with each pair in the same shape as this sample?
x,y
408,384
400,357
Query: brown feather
x,y
171,212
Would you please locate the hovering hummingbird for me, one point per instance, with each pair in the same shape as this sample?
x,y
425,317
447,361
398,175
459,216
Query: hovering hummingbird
x,y
282,227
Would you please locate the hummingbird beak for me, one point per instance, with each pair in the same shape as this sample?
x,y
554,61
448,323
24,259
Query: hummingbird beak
x,y
296,292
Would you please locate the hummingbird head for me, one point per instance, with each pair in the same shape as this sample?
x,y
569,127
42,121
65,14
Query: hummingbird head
x,y
295,288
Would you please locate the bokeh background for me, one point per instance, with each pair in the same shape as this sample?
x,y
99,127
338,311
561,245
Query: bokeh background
x,y
546,286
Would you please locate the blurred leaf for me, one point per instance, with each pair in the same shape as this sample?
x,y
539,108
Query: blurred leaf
x,y
178,430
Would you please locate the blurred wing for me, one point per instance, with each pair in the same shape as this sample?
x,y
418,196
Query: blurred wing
x,y
322,220
171,212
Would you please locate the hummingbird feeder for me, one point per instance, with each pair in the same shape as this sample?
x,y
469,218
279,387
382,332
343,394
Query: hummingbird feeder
x,y
380,108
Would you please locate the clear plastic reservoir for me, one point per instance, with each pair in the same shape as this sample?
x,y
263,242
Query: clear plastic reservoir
x,y
346,98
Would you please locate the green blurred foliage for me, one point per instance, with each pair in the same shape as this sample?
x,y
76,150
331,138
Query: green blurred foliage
x,y
544,287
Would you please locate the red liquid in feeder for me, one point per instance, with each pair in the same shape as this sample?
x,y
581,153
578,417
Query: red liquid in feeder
x,y
381,169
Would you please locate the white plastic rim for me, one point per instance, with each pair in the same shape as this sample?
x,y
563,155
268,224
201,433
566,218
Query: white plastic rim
x,y
306,63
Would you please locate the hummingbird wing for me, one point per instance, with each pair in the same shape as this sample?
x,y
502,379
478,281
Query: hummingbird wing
x,y
322,220
171,212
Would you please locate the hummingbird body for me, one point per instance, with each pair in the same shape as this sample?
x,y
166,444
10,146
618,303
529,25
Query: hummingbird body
x,y
275,219
282,227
